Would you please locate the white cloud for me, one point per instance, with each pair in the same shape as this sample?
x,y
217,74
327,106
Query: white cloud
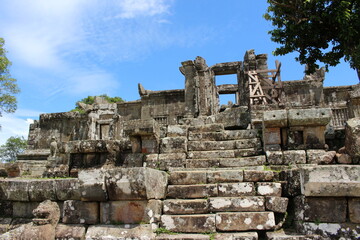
x,y
135,8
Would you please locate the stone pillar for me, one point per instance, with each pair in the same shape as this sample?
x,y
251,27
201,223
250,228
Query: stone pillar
x,y
191,85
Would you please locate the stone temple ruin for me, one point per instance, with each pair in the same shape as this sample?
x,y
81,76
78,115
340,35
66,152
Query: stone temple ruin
x,y
281,162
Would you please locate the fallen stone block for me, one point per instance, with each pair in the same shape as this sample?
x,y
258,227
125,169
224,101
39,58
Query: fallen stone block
x,y
127,231
354,210
268,189
245,221
40,190
258,176
236,189
70,232
316,209
343,158
185,206
78,212
187,177
276,204
135,183
294,157
173,145
92,185
192,191
189,223
130,212
237,204
221,176
67,189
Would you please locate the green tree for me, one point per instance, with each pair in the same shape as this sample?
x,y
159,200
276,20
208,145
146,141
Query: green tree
x,y
8,86
91,99
12,147
320,30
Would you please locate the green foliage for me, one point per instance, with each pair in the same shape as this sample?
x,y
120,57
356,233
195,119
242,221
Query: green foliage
x,y
12,147
8,86
91,99
164,231
320,30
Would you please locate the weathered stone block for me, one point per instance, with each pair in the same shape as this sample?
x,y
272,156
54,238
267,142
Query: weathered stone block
x,y
242,162
244,221
276,204
189,223
268,189
67,189
179,206
115,212
352,138
177,131
343,158
187,177
275,157
248,143
240,134
92,185
237,236
315,209
70,232
206,128
222,176
309,117
236,189
333,181
211,154
192,191
210,145
237,204
330,230
275,119
78,212
207,136
133,160
180,236
173,145
40,190
258,176
281,235
294,157
247,152
271,136
354,210
14,190
127,231
167,161
135,183
24,209
202,163
320,156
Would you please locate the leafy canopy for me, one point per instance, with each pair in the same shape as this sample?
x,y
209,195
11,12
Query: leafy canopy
x,y
320,30
12,147
91,99
8,86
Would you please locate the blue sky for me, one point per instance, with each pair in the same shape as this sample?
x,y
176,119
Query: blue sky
x,y
65,50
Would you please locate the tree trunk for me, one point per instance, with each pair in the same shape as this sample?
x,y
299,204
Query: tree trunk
x,y
358,73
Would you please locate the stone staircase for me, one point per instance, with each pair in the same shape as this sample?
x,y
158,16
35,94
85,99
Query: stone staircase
x,y
212,146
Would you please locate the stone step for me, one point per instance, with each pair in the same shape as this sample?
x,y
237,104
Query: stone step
x,y
282,235
199,223
215,127
185,177
258,160
244,221
223,145
223,153
214,204
217,236
215,190
224,135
